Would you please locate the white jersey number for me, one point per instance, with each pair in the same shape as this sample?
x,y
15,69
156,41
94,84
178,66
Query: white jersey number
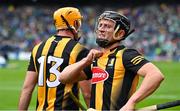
x,y
53,70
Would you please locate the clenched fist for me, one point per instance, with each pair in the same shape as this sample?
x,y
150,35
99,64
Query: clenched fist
x,y
92,55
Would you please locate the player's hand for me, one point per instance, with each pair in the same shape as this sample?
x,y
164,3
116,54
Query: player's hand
x,y
95,53
91,109
92,55
128,107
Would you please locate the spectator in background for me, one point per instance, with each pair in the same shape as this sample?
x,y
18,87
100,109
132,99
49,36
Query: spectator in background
x,y
160,21
4,49
116,72
3,61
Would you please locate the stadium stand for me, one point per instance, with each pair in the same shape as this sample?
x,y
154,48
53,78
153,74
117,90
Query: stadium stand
x,y
157,27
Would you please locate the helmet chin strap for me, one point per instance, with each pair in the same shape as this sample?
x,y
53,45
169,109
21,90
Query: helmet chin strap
x,y
76,35
104,43
71,29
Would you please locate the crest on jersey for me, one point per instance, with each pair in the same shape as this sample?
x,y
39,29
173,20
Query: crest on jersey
x,y
99,75
111,62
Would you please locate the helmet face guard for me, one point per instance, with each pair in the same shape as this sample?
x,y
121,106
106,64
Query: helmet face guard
x,y
120,20
121,23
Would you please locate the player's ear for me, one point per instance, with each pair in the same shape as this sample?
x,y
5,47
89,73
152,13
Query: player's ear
x,y
119,35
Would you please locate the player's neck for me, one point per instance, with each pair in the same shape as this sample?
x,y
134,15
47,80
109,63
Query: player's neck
x,y
65,33
110,47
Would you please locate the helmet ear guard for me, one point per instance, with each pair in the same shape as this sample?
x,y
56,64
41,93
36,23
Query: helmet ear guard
x,y
116,33
77,24
130,32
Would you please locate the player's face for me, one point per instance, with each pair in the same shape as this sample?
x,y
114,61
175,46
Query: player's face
x,y
105,29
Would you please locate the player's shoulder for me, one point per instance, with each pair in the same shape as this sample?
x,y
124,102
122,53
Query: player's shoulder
x,y
43,42
133,60
38,44
130,54
129,51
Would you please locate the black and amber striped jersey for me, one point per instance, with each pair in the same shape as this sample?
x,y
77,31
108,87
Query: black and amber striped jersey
x,y
115,78
48,59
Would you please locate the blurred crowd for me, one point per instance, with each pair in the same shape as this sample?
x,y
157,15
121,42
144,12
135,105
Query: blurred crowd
x,y
157,28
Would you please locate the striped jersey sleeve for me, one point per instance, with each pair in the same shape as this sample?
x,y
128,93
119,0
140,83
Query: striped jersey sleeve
x,y
133,60
31,66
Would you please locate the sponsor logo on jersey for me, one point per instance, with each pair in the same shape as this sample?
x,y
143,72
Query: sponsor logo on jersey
x,y
99,75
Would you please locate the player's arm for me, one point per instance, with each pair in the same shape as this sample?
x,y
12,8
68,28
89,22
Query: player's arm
x,y
75,72
152,79
28,86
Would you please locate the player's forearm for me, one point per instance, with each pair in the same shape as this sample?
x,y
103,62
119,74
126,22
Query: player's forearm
x,y
72,72
150,83
27,90
24,101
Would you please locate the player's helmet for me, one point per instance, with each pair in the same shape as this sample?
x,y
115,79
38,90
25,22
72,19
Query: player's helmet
x,y
121,21
67,17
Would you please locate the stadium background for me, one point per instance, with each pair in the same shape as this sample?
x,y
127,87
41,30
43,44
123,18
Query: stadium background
x,y
25,23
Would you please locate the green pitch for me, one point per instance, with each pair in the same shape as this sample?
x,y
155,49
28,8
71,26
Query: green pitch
x,y
12,77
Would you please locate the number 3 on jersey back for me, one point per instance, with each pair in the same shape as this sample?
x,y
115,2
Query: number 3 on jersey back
x,y
53,70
